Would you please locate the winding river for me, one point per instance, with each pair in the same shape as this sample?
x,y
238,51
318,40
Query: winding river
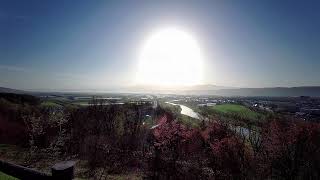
x,y
186,110
189,112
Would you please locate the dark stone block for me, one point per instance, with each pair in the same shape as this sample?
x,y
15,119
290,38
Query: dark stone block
x,y
63,170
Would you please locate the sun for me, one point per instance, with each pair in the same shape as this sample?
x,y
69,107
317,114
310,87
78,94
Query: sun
x,y
170,57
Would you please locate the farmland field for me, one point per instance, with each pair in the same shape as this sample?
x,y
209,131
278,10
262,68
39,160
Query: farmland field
x,y
238,110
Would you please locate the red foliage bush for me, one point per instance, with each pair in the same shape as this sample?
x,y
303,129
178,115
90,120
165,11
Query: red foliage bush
x,y
290,149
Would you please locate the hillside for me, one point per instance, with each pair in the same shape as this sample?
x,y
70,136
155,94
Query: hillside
x,y
9,90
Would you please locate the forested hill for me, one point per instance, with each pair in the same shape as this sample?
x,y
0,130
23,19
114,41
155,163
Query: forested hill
x,y
20,98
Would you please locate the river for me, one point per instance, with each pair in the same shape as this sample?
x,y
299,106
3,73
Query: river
x,y
186,110
189,112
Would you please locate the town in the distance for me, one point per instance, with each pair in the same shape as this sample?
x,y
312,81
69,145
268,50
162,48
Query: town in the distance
x,y
304,108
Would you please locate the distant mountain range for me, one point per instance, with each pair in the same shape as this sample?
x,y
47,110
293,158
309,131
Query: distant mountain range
x,y
176,89
209,89
272,91
206,87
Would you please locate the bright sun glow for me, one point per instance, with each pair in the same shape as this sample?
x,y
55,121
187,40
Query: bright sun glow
x,y
170,57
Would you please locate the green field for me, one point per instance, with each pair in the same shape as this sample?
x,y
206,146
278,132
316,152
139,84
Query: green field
x,y
238,110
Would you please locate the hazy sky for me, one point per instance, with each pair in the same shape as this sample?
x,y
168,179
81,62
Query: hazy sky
x,y
93,44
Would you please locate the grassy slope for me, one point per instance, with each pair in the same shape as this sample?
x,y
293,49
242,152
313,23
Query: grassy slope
x,y
189,121
50,104
6,177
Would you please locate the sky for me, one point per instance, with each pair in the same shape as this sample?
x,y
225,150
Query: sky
x,y
65,44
